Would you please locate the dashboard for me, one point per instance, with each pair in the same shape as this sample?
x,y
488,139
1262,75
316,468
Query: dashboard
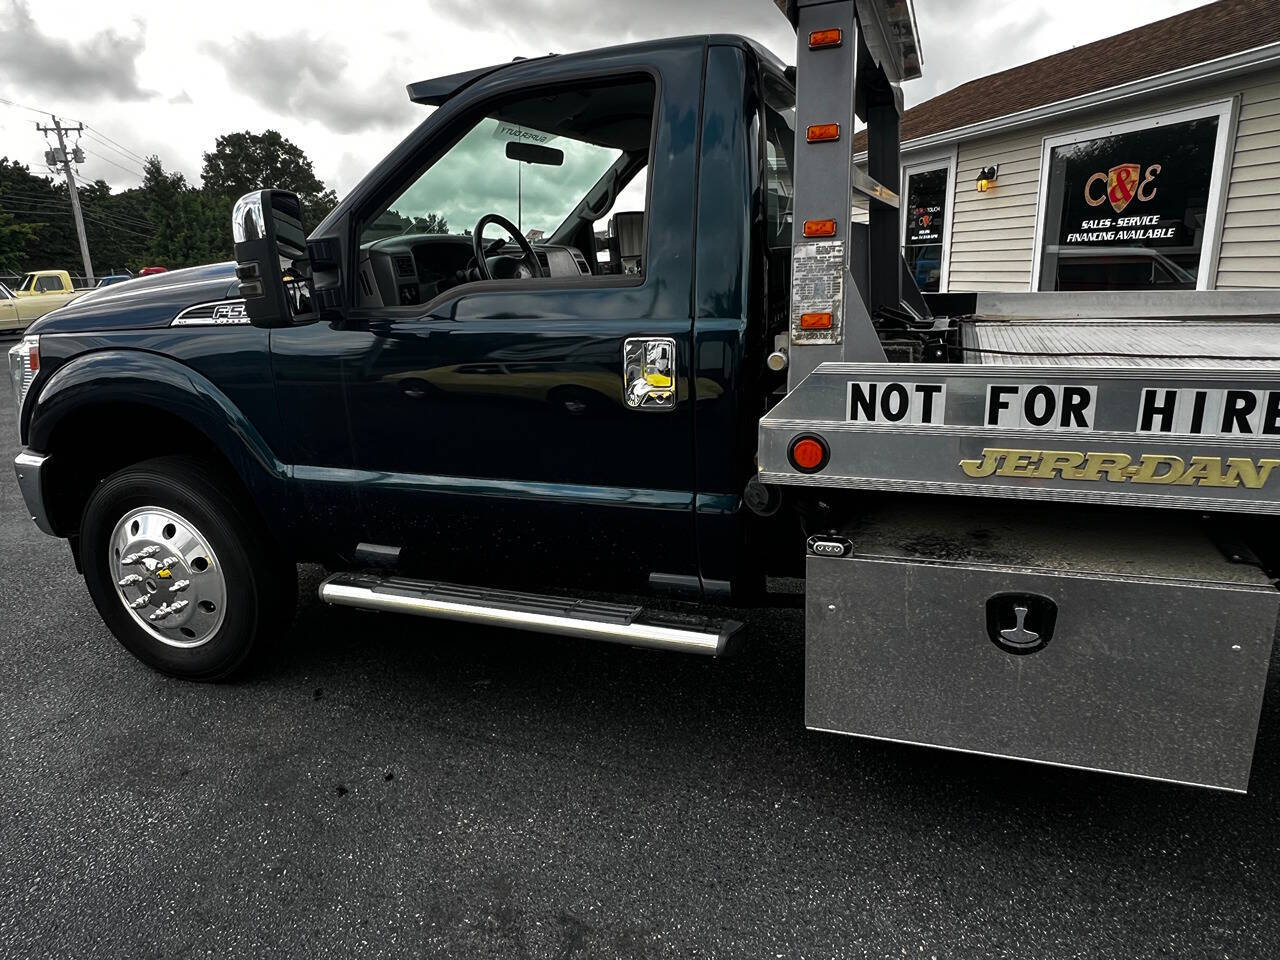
x,y
413,269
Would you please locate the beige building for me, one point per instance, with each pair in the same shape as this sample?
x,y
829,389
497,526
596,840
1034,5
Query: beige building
x,y
1148,160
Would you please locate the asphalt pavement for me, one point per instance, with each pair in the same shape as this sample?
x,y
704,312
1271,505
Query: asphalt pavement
x,y
386,786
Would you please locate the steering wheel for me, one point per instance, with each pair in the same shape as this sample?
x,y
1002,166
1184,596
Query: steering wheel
x,y
529,259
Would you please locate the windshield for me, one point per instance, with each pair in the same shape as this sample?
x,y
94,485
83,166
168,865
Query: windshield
x,y
477,177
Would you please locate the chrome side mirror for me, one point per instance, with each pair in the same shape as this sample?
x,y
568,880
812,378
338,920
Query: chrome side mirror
x,y
272,263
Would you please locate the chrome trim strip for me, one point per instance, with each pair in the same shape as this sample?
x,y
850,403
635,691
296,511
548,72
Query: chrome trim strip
x,y
1023,493
1004,372
28,467
1239,442
633,634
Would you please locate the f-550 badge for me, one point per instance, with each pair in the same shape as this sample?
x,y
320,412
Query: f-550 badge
x,y
1149,468
229,313
218,313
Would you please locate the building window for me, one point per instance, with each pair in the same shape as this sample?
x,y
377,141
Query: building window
x,y
926,221
1133,206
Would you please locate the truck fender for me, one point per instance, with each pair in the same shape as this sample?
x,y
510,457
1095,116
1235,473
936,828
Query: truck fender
x,y
140,378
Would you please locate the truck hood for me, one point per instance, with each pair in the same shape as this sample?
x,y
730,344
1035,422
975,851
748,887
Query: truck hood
x,y
142,303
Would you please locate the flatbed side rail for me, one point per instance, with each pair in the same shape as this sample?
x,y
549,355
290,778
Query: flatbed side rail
x,y
1204,439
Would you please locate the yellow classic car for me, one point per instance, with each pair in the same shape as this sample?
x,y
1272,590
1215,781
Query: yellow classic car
x,y
19,310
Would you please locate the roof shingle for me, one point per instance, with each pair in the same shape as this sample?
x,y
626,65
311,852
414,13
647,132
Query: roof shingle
x,y
1205,33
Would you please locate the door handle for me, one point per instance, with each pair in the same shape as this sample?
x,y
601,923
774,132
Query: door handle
x,y
413,389
649,373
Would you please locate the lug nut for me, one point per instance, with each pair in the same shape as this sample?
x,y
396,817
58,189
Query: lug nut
x,y
141,555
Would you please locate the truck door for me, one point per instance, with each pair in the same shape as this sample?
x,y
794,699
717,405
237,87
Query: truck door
x,y
526,428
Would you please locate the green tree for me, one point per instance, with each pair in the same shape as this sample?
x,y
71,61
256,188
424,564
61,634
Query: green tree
x,y
191,226
14,240
120,231
36,201
240,162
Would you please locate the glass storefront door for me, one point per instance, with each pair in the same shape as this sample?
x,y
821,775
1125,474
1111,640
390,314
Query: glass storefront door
x,y
925,213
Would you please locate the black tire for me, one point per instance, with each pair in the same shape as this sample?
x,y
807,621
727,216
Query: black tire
x,y
261,585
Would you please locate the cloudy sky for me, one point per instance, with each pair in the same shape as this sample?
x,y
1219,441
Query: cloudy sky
x,y
168,76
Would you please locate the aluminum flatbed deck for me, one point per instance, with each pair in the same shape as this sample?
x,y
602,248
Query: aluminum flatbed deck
x,y
1196,344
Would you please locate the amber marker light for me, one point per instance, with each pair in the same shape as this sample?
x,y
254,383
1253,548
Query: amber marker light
x,y
819,228
821,39
824,132
808,453
815,321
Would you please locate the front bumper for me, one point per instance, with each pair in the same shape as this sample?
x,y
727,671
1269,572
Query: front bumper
x,y
31,468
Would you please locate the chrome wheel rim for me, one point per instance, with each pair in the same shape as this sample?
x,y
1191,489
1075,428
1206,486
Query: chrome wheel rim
x,y
167,576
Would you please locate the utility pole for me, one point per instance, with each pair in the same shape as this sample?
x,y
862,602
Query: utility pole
x,y
60,156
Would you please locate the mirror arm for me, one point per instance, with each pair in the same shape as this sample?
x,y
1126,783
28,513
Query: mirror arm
x,y
324,254
592,214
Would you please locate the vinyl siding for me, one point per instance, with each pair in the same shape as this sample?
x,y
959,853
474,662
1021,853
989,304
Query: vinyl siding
x,y
1250,252
993,233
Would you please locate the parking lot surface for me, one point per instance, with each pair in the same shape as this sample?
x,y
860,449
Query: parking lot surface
x,y
386,786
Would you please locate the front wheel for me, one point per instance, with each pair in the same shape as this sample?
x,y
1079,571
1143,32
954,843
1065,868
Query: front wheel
x,y
181,570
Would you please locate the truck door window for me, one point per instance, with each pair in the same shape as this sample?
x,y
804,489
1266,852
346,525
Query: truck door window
x,y
48,285
590,142
780,135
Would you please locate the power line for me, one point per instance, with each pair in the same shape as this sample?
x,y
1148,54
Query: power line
x,y
92,132
102,217
54,201
23,106
31,196
127,155
39,205
114,164
96,220
122,229
140,159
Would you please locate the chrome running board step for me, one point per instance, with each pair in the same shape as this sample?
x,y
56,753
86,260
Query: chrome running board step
x,y
589,619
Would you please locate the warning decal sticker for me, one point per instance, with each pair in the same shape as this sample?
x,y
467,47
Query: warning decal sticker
x,y
817,292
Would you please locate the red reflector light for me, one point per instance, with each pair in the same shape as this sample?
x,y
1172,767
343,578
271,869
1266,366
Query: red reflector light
x,y
819,228
808,454
815,321
825,38
824,132
33,357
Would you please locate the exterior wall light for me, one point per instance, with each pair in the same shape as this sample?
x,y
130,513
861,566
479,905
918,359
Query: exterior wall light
x,y
987,177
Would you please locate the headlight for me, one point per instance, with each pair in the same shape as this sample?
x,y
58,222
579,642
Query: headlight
x,y
24,364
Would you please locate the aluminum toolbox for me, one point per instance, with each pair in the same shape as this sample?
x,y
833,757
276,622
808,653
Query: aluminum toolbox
x,y
1095,639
